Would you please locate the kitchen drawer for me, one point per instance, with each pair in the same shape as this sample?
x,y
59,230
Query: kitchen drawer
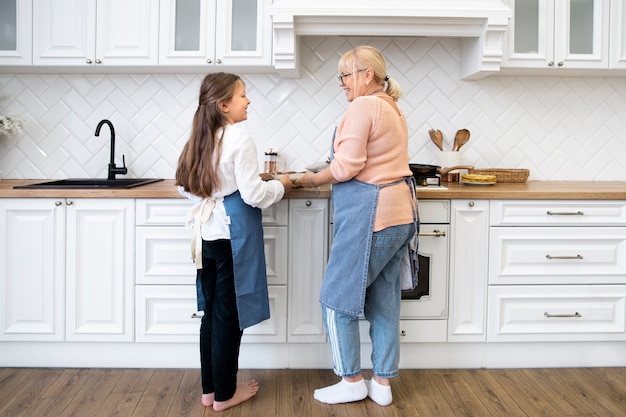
x,y
173,212
163,212
434,211
556,313
557,213
557,255
413,331
167,313
163,255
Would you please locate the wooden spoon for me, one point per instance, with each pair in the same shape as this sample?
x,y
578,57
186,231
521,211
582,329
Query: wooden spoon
x,y
437,139
461,138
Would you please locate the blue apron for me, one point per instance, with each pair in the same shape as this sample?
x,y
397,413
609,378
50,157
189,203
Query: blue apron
x,y
354,213
246,240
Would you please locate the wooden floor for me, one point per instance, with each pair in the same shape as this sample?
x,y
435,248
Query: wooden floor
x,y
36,392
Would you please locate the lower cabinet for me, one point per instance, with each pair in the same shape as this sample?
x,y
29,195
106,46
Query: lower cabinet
x,y
67,269
166,313
295,234
557,271
557,313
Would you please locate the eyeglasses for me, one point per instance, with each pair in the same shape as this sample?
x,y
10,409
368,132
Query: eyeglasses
x,y
342,76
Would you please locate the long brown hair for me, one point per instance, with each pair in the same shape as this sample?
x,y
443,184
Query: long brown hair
x,y
197,164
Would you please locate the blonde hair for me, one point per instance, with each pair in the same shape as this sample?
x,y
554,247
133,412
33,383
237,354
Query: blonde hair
x,y
197,164
365,56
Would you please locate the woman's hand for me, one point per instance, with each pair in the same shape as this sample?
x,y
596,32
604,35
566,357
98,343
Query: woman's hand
x,y
305,180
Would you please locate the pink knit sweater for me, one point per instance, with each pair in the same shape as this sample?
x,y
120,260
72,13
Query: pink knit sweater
x,y
371,145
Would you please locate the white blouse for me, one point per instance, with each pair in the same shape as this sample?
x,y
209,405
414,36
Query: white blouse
x,y
238,169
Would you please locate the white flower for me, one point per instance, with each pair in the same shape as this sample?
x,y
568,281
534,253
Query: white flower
x,y
10,125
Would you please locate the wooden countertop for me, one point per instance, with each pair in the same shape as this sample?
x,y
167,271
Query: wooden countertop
x,y
161,189
531,190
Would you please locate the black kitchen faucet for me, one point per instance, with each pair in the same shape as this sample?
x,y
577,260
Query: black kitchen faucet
x,y
112,168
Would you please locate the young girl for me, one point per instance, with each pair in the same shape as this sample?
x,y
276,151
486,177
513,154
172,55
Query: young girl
x,y
218,167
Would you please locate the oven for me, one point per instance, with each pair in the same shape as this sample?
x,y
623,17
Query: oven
x,y
429,300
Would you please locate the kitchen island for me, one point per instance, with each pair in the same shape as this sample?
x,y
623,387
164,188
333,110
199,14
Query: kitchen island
x,y
127,298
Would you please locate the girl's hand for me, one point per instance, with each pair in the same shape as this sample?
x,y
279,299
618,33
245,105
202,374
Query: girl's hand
x,y
286,182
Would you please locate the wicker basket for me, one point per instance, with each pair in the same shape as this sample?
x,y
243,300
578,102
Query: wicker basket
x,y
505,174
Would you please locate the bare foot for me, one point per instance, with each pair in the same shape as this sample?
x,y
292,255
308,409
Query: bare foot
x,y
207,399
245,391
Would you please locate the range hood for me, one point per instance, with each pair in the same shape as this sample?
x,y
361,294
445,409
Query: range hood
x,y
479,23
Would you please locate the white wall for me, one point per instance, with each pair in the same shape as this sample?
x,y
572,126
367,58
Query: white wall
x,y
561,128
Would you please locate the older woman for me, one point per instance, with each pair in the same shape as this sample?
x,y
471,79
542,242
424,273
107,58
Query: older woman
x,y
374,218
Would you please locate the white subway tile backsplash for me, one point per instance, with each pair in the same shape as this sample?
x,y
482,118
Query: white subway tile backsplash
x,y
558,127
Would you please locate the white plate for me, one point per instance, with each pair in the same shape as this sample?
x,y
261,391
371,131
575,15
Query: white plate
x,y
477,183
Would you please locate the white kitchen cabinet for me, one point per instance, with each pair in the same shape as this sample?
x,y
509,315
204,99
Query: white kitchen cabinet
x,y
95,32
32,276
469,258
165,276
557,271
99,269
215,32
557,34
308,255
544,313
69,269
167,313
618,34
16,24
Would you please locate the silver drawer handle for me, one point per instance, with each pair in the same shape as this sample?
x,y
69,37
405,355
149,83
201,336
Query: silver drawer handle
x,y
548,315
196,316
564,213
435,233
564,257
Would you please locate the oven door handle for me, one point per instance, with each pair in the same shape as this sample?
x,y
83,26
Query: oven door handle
x,y
434,233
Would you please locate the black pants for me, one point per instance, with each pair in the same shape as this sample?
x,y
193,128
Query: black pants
x,y
220,336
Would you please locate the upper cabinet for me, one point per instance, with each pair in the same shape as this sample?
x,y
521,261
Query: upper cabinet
x,y
95,32
618,34
558,34
16,31
215,32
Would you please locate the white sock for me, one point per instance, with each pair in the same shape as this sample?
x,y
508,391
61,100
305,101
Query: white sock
x,y
341,392
380,394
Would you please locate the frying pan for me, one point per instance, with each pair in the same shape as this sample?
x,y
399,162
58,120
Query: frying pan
x,y
421,170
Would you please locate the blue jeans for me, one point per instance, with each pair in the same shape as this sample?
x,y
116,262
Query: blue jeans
x,y
382,310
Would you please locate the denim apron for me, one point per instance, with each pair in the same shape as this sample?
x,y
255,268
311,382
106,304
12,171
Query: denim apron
x,y
246,240
354,212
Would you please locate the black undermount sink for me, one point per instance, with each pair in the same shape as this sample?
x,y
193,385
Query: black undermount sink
x,y
92,183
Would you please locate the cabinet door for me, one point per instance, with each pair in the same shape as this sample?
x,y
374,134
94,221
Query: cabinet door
x,y
32,269
100,262
618,35
127,32
187,32
469,249
90,32
561,34
308,254
528,42
17,25
64,32
243,32
581,34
